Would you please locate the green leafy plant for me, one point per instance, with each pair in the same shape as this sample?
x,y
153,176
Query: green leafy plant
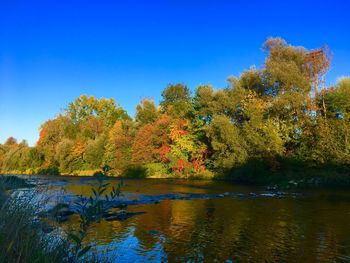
x,y
92,210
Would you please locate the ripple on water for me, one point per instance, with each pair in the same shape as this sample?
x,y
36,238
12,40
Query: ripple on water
x,y
251,225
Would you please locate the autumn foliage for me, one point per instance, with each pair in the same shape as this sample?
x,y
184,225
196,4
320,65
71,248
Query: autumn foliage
x,y
271,114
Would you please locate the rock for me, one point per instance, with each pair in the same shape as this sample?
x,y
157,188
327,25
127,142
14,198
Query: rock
x,y
120,215
268,194
271,188
122,205
60,212
293,182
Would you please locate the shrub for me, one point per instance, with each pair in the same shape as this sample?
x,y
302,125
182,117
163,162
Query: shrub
x,y
53,170
156,170
134,172
25,240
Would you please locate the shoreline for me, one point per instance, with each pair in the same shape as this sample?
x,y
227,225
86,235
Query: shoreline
x,y
282,179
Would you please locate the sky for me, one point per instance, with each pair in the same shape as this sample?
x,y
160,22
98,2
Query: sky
x,y
53,51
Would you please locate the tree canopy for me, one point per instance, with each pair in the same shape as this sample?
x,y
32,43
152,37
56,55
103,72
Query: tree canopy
x,y
272,113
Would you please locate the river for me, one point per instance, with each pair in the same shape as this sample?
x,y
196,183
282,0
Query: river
x,y
223,222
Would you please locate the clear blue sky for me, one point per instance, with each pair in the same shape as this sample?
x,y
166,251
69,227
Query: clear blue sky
x,y
53,51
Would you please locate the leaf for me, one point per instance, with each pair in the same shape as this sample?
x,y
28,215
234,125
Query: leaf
x,y
102,191
75,238
9,247
84,251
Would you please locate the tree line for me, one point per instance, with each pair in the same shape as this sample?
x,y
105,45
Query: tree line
x,y
278,116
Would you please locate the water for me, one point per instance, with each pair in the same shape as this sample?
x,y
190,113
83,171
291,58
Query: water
x,y
251,226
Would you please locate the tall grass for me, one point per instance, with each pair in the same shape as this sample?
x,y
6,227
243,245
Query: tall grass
x,y
21,236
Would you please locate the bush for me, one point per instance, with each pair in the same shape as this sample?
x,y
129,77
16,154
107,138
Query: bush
x,y
53,170
206,174
24,237
24,241
98,174
156,170
134,172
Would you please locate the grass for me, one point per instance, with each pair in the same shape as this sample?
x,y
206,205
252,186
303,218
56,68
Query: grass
x,y
23,238
21,234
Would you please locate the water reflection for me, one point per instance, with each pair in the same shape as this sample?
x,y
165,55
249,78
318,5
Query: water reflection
x,y
311,228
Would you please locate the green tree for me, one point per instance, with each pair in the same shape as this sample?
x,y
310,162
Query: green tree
x,y
146,112
106,109
229,149
177,101
94,152
118,146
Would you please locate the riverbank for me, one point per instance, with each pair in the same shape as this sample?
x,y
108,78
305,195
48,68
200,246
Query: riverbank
x,y
25,237
289,175
21,236
308,178
286,174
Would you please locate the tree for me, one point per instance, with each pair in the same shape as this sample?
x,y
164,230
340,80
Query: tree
x,y
118,146
19,157
186,151
204,103
10,142
176,100
253,79
52,132
268,114
63,155
229,149
91,127
94,152
110,112
77,155
337,99
260,132
146,112
106,109
328,135
151,140
144,148
318,62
